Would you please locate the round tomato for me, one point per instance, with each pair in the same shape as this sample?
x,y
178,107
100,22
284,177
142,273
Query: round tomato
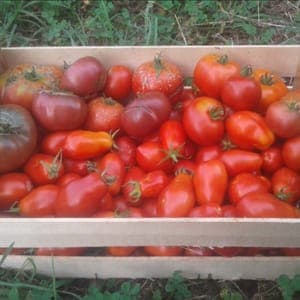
x,y
291,153
272,159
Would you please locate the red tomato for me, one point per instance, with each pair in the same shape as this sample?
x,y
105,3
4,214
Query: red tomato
x,y
178,198
291,153
186,166
80,167
53,142
106,202
120,203
212,71
239,161
158,75
67,178
163,250
84,77
209,210
229,211
203,121
291,251
264,205
198,251
120,251
249,131
126,148
207,153
13,187
118,82
272,159
286,185
245,183
74,251
149,208
210,182
228,251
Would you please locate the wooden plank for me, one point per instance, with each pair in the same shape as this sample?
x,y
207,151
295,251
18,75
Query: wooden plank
x,y
92,232
267,268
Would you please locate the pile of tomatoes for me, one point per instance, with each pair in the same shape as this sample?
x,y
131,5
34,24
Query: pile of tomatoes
x,y
86,141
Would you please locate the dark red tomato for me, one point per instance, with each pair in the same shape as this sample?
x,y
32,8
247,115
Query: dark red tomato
x,y
163,250
286,185
207,153
72,251
198,251
210,182
145,114
118,83
185,165
44,168
80,167
80,198
85,77
209,210
203,121
291,251
178,197
245,183
228,251
18,137
104,114
158,75
39,202
67,178
59,111
149,208
212,71
13,187
126,148
53,142
240,161
291,153
264,205
150,156
272,159
229,211
248,130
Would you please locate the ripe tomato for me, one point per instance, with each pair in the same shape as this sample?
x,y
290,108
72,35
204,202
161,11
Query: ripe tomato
x,y
80,167
59,111
118,82
286,185
106,203
272,88
126,148
149,208
157,75
186,166
84,77
67,178
210,182
207,153
291,153
70,251
163,250
13,187
18,137
249,131
198,251
212,71
53,142
203,121
229,211
272,159
104,114
291,251
228,251
178,197
209,210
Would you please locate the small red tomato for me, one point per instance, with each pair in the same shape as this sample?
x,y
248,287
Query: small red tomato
x,y
207,153
209,210
67,178
163,250
126,148
272,159
291,153
53,142
80,167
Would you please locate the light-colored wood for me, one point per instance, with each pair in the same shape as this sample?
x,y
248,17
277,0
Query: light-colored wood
x,y
161,267
142,232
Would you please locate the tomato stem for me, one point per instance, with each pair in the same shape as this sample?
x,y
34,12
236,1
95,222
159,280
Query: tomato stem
x,y
32,75
223,59
267,79
293,105
8,129
216,113
282,195
246,71
158,64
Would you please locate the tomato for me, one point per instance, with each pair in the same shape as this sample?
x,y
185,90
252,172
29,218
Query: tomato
x,y
44,168
145,114
104,114
84,77
85,144
283,117
203,121
245,183
209,210
228,251
291,153
272,88
59,111
210,182
118,82
39,202
229,211
286,185
120,202
249,131
240,161
185,165
212,71
74,251
157,75
178,197
106,202
207,153
53,142
291,251
149,208
264,205
126,148
24,82
272,159
13,187
80,167
241,92
80,198
67,178
198,251
163,250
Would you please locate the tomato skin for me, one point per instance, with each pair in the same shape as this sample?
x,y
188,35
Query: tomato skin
x,y
39,202
53,142
126,148
70,251
249,131
245,183
207,153
229,211
120,203
210,182
286,185
85,144
291,153
198,251
13,187
80,198
163,250
203,121
178,197
291,251
120,251
228,251
209,210
212,71
264,205
272,159
18,137
80,167
149,208
67,178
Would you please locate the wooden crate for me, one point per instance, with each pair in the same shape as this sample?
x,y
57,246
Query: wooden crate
x,y
50,232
